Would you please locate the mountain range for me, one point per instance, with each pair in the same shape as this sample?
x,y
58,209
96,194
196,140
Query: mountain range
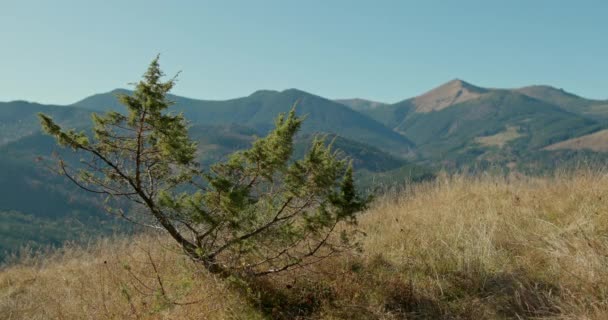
x,y
454,126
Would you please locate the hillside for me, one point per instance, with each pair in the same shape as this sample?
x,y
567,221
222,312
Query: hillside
x,y
458,91
456,126
458,248
457,133
462,124
217,142
260,108
446,95
39,207
26,176
597,141
596,109
18,118
457,122
453,92
63,212
360,104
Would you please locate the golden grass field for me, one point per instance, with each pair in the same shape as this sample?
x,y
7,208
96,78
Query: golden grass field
x,y
597,141
457,248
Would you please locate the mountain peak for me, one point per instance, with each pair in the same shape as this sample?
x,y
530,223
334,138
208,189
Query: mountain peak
x,y
456,81
450,93
121,91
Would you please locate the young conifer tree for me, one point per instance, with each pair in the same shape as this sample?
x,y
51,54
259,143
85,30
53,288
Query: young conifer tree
x,y
260,212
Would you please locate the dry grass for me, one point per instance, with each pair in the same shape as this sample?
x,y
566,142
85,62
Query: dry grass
x,y
456,248
501,138
597,141
117,279
501,247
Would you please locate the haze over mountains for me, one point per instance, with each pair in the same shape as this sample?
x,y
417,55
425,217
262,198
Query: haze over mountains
x,y
453,126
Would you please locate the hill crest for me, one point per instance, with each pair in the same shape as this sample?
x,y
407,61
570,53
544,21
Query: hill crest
x,y
360,104
448,94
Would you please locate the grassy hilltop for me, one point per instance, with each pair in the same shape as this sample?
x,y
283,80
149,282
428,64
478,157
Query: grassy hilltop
x,y
455,248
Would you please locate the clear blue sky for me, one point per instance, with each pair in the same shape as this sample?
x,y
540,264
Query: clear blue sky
x,y
61,51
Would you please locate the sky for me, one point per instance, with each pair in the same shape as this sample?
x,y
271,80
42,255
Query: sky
x,y
62,51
